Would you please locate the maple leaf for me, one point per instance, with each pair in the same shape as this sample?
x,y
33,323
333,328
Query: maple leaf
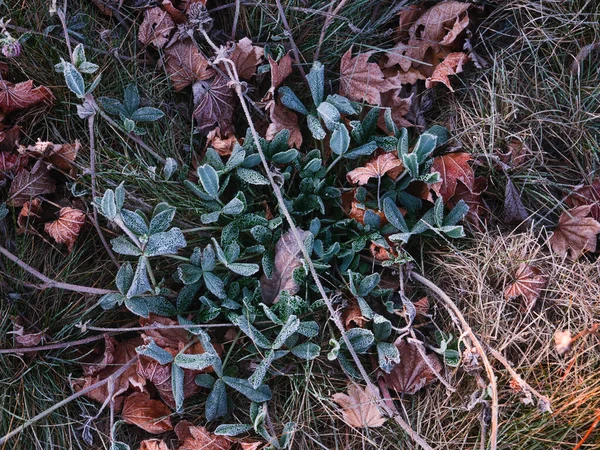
x,y
246,57
586,195
153,444
376,168
150,415
576,233
214,102
283,118
452,167
14,97
406,18
361,80
28,211
156,27
29,184
399,106
186,65
288,256
66,228
223,145
60,155
401,77
359,408
280,70
194,438
528,283
452,65
441,23
412,373
11,163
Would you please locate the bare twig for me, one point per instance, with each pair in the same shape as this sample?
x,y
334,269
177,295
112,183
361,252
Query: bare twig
x,y
331,13
286,26
49,282
57,346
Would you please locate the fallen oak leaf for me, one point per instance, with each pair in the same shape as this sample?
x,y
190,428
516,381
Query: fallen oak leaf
x,y
576,233
452,167
15,97
156,27
194,438
288,257
451,65
150,415
528,283
359,408
246,58
29,184
375,168
66,228
186,65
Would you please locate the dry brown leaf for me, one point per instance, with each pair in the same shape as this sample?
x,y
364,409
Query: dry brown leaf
x,y
195,438
11,163
439,23
29,184
283,118
361,80
406,18
66,228
186,65
381,253
214,101
352,315
288,256
563,341
280,70
576,233
150,415
412,373
472,197
153,444
22,338
514,210
452,167
422,307
156,27
14,97
399,106
103,6
376,168
223,145
9,137
60,155
246,58
356,210
359,408
399,77
528,283
452,65
28,212
586,195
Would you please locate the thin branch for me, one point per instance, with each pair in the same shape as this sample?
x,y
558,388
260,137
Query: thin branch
x,y
68,400
328,19
49,282
57,346
286,26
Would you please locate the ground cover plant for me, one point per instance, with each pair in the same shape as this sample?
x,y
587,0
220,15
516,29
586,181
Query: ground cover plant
x,y
342,224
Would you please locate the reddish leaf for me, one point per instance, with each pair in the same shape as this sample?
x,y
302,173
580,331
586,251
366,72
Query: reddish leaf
x,y
23,338
186,65
222,144
60,155
214,102
587,195
412,373
156,27
195,438
376,168
528,283
66,228
361,80
9,138
280,70
153,444
284,119
150,415
356,210
28,212
11,163
452,167
14,97
352,315
359,408
441,23
399,106
29,184
246,58
576,233
452,65
473,199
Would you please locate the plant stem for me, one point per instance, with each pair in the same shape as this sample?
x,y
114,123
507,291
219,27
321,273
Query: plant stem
x,y
194,230
333,163
57,346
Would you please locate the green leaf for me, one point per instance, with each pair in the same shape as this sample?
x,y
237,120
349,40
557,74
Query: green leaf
x,y
124,246
3,211
314,125
363,150
307,351
210,217
74,80
131,100
215,285
147,114
291,101
124,277
260,372
340,140
170,168
78,55
342,104
189,274
382,327
232,429
119,446
411,162
387,356
244,269
177,386
285,157
165,243
135,222
88,67
236,158
316,82
151,350
109,301
108,205
140,283
308,329
209,180
196,362
329,114
260,394
111,105
163,216
394,216
234,207
252,176
205,380
360,339
425,146
457,214
290,327
144,306
367,284
207,260
216,402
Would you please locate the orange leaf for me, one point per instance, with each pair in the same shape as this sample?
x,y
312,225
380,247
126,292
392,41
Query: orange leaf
x,y
376,168
156,27
361,80
150,415
14,97
284,119
452,65
195,438
452,167
353,315
412,373
359,408
576,233
28,211
528,282
66,228
223,145
186,65
153,444
246,57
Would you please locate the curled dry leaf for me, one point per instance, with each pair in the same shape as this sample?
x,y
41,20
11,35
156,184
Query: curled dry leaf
x,y
284,119
288,256
514,210
194,438
352,315
441,23
399,106
280,70
412,373
186,65
586,195
451,65
472,197
359,408
23,338
214,101
361,80
381,253
452,167
376,168
153,444
15,97
222,144
9,137
576,233
11,163
528,283
66,228
563,341
29,184
150,415
60,155
29,210
246,58
156,27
